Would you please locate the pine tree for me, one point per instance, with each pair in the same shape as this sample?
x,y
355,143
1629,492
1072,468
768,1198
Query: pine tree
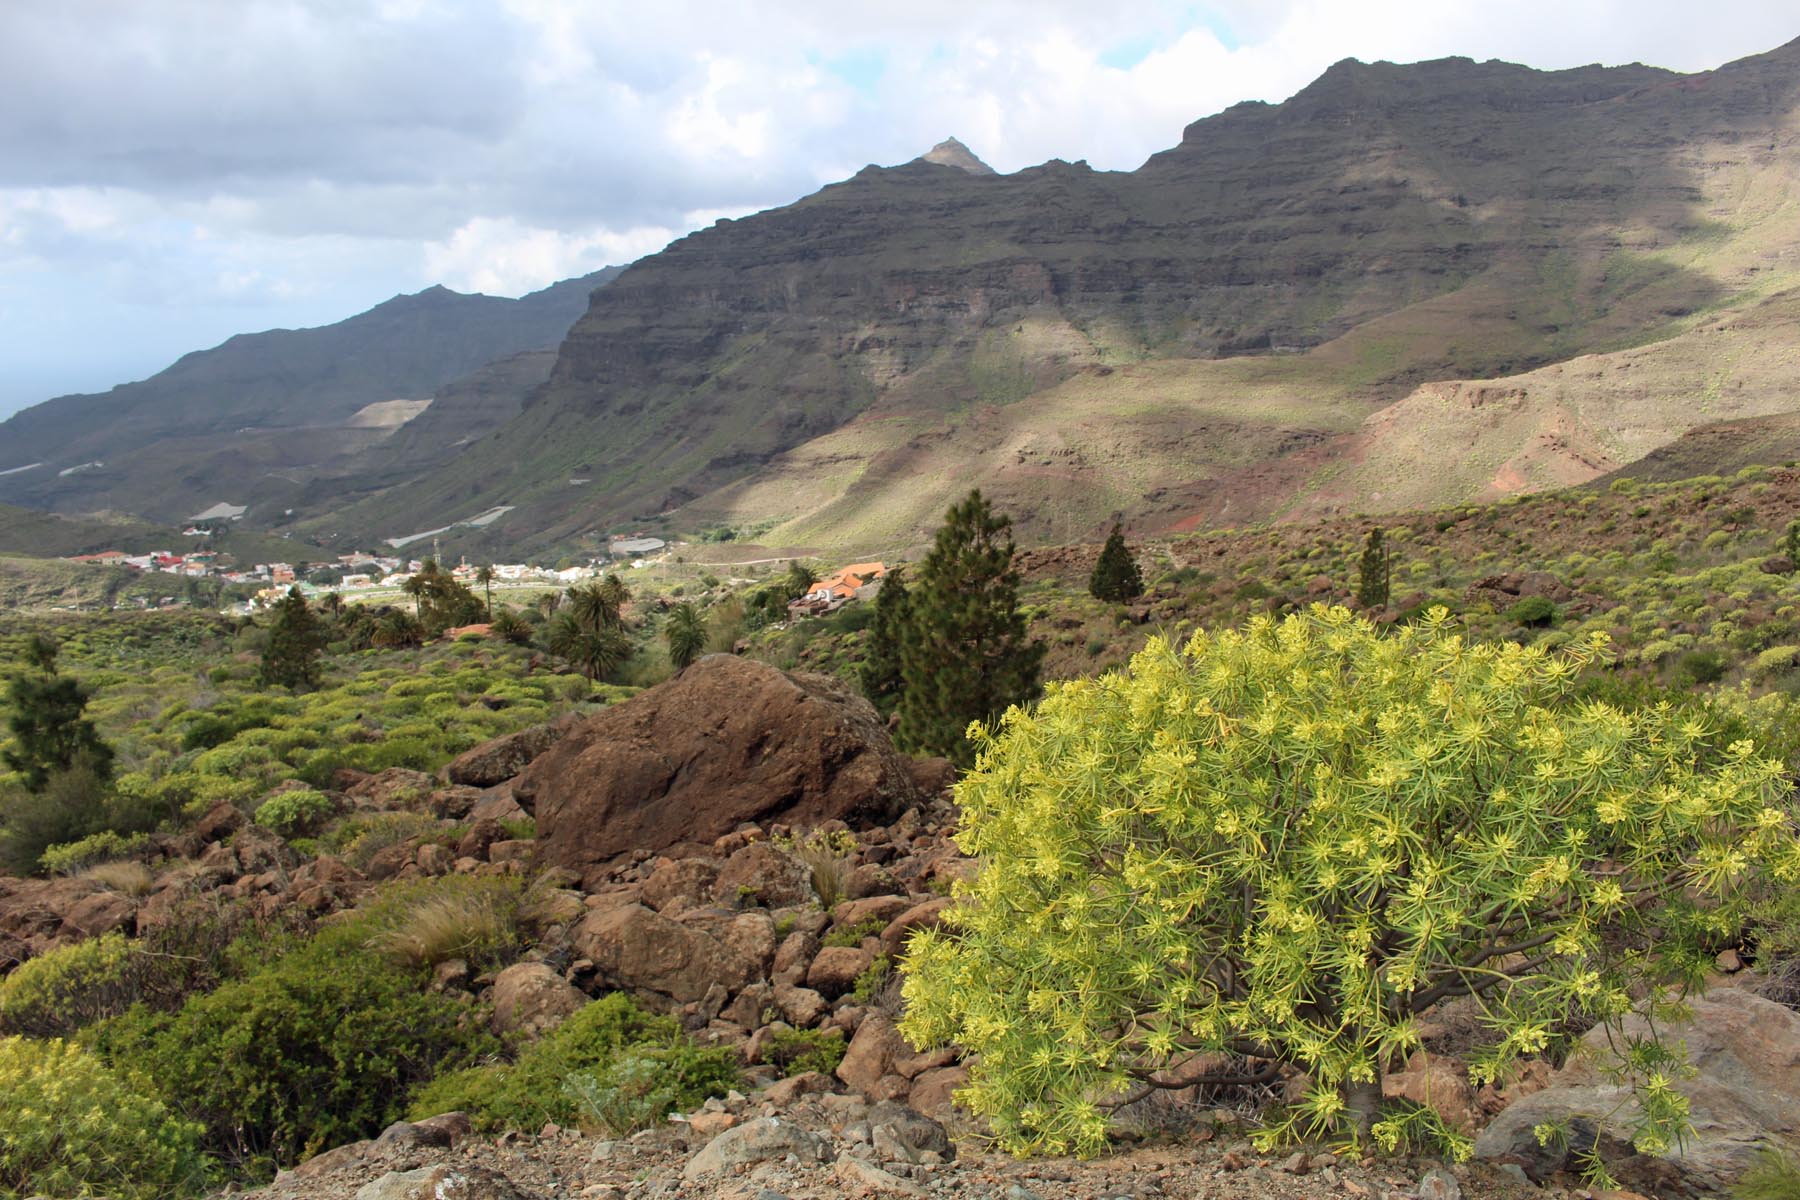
x,y
964,655
50,736
1116,576
1373,573
879,674
296,640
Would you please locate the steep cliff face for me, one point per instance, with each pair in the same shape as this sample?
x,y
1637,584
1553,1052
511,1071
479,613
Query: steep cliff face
x,y
1385,226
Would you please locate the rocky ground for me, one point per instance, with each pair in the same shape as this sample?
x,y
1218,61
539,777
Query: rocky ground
x,y
772,1147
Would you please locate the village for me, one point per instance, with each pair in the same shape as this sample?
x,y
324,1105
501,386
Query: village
x,y
363,577
359,574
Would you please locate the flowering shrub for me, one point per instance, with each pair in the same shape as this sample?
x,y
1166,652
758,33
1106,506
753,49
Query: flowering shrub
x,y
1288,843
71,1127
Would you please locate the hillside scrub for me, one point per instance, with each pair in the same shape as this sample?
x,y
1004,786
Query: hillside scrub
x,y
1287,843
191,725
317,1048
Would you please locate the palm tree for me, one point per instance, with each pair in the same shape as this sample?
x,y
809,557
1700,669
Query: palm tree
x,y
800,579
398,628
548,603
616,592
510,626
484,575
593,652
416,585
684,629
594,606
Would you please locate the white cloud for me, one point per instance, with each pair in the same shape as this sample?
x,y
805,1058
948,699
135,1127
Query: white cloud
x,y
501,257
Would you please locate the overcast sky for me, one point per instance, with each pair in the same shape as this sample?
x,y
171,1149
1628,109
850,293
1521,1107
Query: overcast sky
x,y
175,171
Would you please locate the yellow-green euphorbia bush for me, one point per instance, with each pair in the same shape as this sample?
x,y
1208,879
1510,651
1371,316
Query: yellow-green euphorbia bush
x,y
69,1126
1290,842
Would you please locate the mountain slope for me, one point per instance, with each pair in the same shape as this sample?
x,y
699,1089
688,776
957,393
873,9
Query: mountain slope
x,y
216,423
840,364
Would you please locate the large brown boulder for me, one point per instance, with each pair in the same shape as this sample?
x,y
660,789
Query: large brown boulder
x,y
498,760
725,742
646,953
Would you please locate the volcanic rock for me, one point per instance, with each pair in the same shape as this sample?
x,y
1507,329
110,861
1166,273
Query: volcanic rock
x,y
498,760
727,741
1744,1095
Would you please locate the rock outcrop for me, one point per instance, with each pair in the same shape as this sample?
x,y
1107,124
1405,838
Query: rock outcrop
x,y
729,741
1744,1096
498,760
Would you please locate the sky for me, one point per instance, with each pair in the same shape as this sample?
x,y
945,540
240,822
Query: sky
x,y
176,171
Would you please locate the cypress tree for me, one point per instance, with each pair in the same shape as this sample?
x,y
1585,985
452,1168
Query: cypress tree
x,y
1373,574
296,640
964,655
1116,576
879,674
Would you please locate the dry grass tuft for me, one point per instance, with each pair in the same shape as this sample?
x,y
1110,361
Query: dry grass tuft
x,y
131,878
826,857
476,923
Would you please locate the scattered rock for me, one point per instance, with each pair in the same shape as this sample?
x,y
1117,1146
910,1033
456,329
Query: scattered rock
x,y
642,951
442,1182
1744,1095
530,999
872,1053
1439,1184
753,1142
1441,1084
835,969
901,1134
762,874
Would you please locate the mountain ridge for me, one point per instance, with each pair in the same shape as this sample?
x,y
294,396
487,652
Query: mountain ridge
x,y
291,396
1386,226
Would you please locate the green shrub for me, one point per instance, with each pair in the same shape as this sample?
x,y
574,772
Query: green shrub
x,y
528,1092
419,925
1775,1176
63,990
295,813
873,978
318,1048
853,935
1412,817
641,1087
71,1127
795,1051
71,805
1532,611
1700,666
1777,660
359,839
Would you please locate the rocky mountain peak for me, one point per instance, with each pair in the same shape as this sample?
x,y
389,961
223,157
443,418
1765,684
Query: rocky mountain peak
x,y
952,153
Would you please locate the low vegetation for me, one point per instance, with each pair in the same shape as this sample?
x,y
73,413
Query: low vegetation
x,y
611,1064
